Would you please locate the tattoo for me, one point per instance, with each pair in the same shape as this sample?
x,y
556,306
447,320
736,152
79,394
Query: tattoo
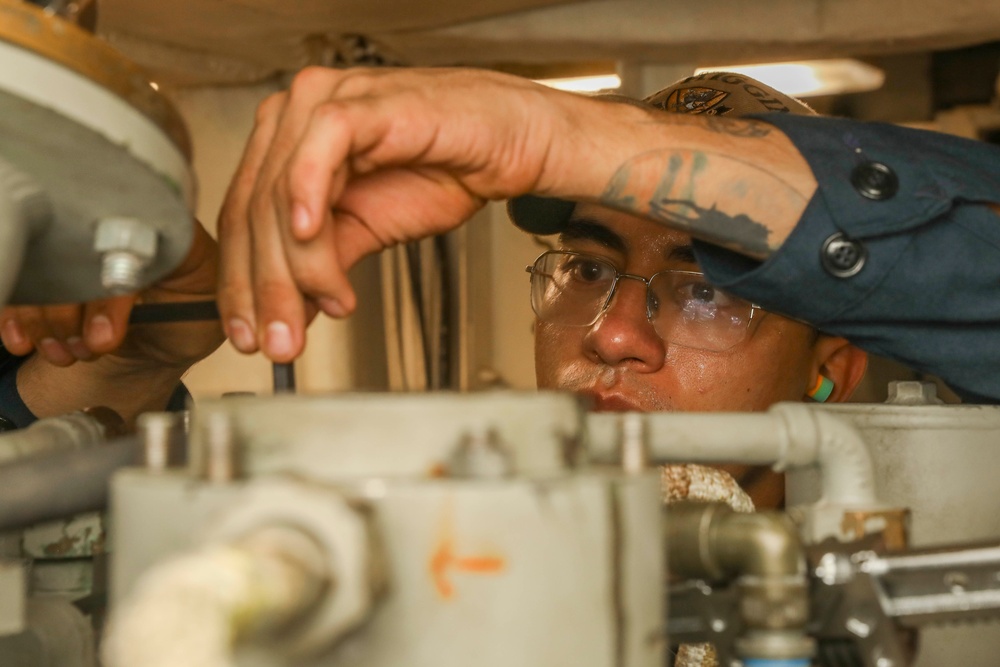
x,y
614,195
677,189
740,232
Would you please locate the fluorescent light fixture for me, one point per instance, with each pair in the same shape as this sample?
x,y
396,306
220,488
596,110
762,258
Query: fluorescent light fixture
x,y
585,84
809,78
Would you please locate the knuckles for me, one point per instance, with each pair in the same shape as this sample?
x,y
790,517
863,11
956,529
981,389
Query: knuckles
x,y
270,107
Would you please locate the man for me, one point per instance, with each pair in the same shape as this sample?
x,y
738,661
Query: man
x,y
349,162
610,350
839,223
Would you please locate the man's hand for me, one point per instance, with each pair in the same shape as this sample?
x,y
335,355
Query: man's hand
x,y
347,163
66,334
131,370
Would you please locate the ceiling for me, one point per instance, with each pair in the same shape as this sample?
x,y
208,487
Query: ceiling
x,y
211,42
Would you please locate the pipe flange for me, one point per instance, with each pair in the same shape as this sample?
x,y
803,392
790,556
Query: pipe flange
x,y
342,532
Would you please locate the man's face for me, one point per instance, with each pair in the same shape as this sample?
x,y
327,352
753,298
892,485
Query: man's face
x,y
621,363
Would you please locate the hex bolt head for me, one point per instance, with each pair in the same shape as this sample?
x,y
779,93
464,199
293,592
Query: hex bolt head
x,y
221,450
158,430
127,247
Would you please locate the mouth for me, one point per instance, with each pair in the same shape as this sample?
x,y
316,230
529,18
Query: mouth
x,y
611,403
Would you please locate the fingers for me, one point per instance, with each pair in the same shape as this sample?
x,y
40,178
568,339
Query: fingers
x,y
266,270
65,334
279,305
261,307
235,294
316,174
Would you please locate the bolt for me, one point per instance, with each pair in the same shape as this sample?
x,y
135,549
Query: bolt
x,y
956,582
158,430
834,568
221,453
910,392
858,627
480,454
717,624
127,247
634,451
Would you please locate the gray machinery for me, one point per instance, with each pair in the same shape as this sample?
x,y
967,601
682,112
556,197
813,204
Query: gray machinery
x,y
508,527
443,529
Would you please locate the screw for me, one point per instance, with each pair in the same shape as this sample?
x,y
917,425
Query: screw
x,y
834,568
221,453
127,247
158,430
480,454
858,627
956,582
634,451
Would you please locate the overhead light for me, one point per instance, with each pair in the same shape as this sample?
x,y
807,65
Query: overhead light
x,y
810,78
585,84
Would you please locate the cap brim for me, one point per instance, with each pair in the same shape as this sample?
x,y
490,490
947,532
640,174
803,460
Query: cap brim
x,y
540,215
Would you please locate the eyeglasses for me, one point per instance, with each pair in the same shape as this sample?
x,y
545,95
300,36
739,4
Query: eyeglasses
x,y
574,289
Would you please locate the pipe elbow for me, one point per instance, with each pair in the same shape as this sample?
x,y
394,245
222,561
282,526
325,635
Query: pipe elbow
x,y
765,544
709,540
818,437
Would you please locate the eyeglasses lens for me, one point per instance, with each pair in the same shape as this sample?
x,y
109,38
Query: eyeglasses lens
x,y
573,289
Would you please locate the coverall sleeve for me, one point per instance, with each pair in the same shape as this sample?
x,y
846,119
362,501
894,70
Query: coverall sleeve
x,y
897,251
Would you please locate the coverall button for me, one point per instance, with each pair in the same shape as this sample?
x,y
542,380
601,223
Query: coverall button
x,y
842,257
874,180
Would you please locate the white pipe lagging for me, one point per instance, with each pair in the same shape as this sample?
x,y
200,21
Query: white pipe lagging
x,y
24,210
76,430
789,435
194,609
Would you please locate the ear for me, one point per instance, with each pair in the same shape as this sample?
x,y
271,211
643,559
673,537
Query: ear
x,y
840,361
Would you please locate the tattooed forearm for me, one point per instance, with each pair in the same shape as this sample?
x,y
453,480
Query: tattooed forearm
x,y
716,198
736,232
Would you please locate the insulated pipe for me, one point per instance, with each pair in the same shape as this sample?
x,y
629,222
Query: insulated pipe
x,y
789,435
45,488
194,609
76,430
24,209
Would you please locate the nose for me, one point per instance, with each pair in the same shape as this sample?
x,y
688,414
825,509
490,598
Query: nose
x,y
623,334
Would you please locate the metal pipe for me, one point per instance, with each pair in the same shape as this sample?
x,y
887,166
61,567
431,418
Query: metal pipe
x,y
74,431
789,435
711,541
58,485
765,556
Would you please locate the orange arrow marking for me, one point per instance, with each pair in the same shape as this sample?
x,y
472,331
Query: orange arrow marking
x,y
444,559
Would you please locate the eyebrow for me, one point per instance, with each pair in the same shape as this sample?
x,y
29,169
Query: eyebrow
x,y
582,229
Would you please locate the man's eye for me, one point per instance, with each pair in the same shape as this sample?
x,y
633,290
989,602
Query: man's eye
x,y
589,271
704,293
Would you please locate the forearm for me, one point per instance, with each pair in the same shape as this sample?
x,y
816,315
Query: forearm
x,y
128,387
737,183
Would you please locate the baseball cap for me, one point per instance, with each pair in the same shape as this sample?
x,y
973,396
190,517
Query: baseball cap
x,y
710,93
